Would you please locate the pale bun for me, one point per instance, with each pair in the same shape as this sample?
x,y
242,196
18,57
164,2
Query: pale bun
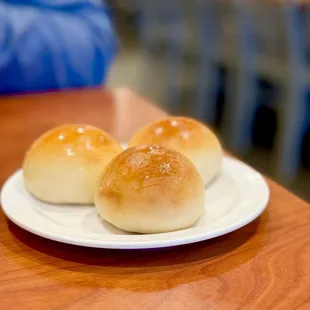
x,y
187,136
63,165
150,189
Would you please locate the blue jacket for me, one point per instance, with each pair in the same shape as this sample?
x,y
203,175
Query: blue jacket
x,y
54,44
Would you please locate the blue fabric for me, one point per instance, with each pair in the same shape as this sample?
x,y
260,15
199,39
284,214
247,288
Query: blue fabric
x,y
54,44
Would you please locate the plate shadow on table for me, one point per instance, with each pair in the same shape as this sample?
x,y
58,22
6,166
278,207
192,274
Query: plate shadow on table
x,y
169,256
203,250
146,270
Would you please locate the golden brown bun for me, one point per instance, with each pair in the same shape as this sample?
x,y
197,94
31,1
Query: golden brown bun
x,y
187,136
150,189
63,165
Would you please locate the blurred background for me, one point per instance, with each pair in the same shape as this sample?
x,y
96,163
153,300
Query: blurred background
x,y
242,67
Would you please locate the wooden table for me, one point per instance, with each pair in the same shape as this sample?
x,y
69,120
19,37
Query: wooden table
x,y
265,265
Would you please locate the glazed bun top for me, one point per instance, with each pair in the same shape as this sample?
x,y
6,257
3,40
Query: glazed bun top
x,y
150,189
187,136
62,166
74,141
180,133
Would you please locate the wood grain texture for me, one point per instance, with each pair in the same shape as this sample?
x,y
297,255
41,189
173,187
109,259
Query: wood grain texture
x,y
265,265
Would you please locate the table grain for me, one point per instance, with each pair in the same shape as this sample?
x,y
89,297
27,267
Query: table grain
x,y
265,265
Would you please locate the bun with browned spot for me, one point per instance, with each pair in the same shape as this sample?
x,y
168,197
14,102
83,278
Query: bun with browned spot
x,y
150,189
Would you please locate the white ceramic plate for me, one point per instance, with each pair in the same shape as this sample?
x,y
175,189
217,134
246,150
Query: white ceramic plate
x,y
235,198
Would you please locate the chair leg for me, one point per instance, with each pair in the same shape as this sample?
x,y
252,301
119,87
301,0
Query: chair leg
x,y
208,68
174,57
242,87
292,110
290,133
207,87
173,77
240,111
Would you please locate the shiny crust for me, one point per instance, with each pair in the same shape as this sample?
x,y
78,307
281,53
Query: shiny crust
x,y
63,165
74,141
187,136
179,133
145,185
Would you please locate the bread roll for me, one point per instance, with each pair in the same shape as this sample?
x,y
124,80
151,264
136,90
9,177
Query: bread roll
x,y
63,165
187,136
150,189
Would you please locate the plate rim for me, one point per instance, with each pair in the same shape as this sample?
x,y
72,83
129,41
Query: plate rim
x,y
160,243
